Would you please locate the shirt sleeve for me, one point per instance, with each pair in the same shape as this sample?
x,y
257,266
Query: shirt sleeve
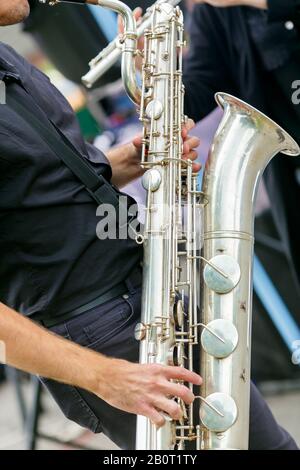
x,y
98,160
281,10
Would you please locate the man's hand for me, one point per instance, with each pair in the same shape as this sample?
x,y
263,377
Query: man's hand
x,y
262,4
146,389
135,388
126,160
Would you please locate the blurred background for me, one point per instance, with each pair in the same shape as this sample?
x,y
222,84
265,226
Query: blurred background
x,y
61,41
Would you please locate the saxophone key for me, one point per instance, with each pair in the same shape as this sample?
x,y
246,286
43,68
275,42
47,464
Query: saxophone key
x,y
219,338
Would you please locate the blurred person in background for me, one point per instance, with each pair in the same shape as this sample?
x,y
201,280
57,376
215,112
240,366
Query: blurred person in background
x,y
55,271
251,49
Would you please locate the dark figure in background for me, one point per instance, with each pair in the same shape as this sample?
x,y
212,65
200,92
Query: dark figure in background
x,y
253,53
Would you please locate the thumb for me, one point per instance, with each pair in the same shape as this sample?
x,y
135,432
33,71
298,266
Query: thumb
x,y
137,142
138,11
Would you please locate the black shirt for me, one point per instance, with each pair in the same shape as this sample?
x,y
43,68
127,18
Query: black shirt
x,y
279,96
225,55
51,258
278,47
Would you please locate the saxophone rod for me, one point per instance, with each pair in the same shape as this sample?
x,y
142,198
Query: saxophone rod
x,y
111,54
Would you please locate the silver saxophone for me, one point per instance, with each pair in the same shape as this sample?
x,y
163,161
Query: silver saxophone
x,y
198,244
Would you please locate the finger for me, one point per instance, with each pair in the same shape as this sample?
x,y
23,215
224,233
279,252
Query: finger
x,y
187,147
192,155
196,167
192,142
178,390
137,141
120,24
179,373
189,124
138,11
168,406
155,417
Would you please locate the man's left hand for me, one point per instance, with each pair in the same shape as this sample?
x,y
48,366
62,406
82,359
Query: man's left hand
x,y
126,160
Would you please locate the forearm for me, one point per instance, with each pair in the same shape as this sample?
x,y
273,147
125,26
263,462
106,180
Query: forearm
x,y
35,350
134,388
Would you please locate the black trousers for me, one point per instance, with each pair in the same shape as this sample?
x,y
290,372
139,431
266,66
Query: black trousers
x,y
109,329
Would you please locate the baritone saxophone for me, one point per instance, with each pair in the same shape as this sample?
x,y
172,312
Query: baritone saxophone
x,y
198,242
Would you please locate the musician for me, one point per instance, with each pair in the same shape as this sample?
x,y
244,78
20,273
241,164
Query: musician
x,y
52,262
251,49
55,271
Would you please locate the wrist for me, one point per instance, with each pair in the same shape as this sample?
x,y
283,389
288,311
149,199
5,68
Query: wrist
x,y
96,376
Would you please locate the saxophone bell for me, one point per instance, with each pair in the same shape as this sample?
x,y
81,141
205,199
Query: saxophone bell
x,y
244,144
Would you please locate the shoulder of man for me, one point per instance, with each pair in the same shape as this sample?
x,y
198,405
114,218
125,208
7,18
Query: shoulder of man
x,y
9,54
18,64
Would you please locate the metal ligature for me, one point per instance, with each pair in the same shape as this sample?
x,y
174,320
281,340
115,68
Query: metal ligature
x,y
198,245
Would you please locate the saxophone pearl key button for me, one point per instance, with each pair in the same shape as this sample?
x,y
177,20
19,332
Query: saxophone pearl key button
x,y
219,338
154,109
219,412
222,274
151,180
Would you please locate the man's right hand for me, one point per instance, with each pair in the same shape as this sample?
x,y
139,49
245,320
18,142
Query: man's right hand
x,y
146,390
140,389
